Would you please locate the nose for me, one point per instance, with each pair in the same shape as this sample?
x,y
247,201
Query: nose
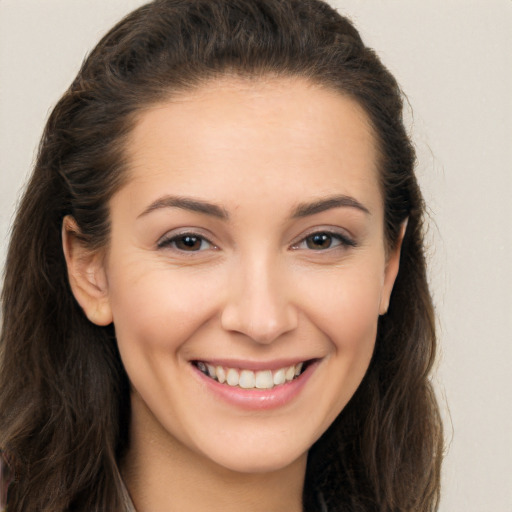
x,y
258,302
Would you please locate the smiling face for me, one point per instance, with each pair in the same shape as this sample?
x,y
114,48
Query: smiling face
x,y
246,268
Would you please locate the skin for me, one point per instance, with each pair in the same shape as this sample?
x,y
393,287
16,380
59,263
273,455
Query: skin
x,y
259,289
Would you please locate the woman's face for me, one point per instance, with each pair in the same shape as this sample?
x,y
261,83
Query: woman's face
x,y
247,268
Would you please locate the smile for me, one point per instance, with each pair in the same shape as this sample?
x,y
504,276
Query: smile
x,y
249,379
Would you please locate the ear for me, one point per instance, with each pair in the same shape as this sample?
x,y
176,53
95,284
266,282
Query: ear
x,y
86,273
391,271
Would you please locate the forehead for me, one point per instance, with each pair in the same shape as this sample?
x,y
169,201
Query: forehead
x,y
271,134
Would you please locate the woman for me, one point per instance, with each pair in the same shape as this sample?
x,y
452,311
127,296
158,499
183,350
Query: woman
x,y
215,291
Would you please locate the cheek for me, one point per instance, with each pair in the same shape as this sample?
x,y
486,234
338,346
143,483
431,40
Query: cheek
x,y
157,308
344,304
340,306
345,309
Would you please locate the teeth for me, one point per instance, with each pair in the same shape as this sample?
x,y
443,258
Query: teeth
x,y
264,380
211,371
232,377
290,373
221,374
279,377
247,379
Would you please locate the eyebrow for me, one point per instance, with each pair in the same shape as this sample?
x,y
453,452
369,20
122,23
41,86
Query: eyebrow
x,y
207,208
187,203
306,209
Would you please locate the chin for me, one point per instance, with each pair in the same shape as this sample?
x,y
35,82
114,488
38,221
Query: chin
x,y
264,463
257,456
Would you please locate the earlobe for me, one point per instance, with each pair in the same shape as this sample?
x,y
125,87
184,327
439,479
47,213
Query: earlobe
x,y
86,274
392,267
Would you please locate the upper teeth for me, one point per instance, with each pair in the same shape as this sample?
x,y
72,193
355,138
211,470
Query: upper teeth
x,y
247,379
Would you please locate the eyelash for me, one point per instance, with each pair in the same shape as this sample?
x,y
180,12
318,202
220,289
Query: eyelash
x,y
343,241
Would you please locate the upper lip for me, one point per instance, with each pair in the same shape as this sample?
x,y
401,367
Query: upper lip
x,y
244,364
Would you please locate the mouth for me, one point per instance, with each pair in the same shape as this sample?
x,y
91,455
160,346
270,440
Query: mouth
x,y
250,379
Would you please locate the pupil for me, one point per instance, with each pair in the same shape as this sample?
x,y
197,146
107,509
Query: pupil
x,y
320,241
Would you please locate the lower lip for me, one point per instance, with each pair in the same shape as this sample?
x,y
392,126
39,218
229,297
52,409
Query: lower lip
x,y
258,399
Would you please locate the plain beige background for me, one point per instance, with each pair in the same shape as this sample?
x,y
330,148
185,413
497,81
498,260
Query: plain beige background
x,y
453,58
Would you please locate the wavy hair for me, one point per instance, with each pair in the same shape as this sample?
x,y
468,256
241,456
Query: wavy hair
x,y
64,399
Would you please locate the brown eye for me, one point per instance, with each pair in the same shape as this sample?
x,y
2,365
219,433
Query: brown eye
x,y
187,242
320,241
324,240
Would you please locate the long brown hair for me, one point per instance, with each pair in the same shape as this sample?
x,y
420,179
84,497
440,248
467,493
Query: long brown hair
x,y
64,402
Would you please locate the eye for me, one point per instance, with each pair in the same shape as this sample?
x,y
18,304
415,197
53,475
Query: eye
x,y
186,242
323,240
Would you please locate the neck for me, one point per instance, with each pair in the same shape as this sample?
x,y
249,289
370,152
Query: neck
x,y
163,474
